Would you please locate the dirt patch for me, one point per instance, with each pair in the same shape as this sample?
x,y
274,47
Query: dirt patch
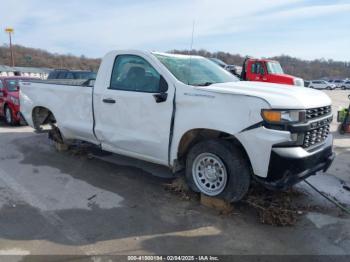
x,y
180,188
277,208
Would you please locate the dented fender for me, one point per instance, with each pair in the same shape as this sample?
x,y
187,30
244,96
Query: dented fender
x,y
258,144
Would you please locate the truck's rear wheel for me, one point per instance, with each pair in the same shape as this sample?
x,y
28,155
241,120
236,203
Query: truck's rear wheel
x,y
217,168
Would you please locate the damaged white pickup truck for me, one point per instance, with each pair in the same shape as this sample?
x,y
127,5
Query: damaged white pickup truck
x,y
186,113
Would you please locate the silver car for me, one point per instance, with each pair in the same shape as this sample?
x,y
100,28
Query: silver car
x,y
321,84
345,85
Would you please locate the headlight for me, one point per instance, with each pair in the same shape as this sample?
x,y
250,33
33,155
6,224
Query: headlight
x,y
298,82
14,100
283,116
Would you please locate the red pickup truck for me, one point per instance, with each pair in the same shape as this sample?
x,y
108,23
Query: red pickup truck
x,y
266,70
9,99
260,70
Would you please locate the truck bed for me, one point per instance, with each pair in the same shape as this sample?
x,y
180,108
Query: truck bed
x,y
71,105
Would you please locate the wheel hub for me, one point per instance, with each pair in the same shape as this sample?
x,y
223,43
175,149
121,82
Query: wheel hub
x,y
209,173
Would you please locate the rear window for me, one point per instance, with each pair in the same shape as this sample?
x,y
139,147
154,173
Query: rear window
x,y
84,75
72,75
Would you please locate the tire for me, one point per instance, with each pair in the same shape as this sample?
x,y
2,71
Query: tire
x,y
343,88
8,116
329,88
311,87
225,168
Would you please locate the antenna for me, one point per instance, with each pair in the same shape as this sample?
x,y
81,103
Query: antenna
x,y
193,25
190,52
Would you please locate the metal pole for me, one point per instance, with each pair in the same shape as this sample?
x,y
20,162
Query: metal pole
x,y
11,51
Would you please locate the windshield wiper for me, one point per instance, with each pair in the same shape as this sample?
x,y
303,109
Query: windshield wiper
x,y
205,84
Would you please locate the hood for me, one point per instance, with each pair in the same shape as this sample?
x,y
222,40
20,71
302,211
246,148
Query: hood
x,y
284,76
297,81
277,95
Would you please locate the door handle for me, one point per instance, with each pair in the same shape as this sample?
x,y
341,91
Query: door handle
x,y
108,100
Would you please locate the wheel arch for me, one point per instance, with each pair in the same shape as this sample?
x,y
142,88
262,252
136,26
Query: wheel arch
x,y
42,116
194,136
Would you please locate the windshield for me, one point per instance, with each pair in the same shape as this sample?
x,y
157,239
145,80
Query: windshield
x,y
196,71
12,85
274,68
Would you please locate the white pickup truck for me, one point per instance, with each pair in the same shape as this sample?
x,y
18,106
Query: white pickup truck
x,y
187,113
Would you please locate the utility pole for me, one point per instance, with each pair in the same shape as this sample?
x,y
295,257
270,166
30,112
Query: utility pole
x,y
10,32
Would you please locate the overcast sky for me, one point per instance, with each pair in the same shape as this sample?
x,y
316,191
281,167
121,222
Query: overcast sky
x,y
306,29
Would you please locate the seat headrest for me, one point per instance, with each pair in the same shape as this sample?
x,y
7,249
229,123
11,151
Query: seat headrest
x,y
136,72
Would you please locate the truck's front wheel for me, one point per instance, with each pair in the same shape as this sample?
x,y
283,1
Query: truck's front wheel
x,y
217,168
8,116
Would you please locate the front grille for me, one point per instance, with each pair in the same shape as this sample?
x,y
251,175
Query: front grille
x,y
318,112
315,136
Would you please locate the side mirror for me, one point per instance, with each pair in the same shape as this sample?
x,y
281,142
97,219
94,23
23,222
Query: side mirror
x,y
163,88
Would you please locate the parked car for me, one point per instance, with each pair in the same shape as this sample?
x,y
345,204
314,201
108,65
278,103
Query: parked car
x,y
233,69
338,83
9,99
321,84
219,62
186,113
345,85
71,74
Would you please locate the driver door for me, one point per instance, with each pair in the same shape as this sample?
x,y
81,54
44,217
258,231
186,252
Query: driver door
x,y
258,72
133,115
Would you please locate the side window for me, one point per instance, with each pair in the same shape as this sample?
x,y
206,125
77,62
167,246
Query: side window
x,y
253,69
61,75
133,73
69,75
257,68
260,69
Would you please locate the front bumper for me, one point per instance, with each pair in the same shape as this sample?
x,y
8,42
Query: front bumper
x,y
290,165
